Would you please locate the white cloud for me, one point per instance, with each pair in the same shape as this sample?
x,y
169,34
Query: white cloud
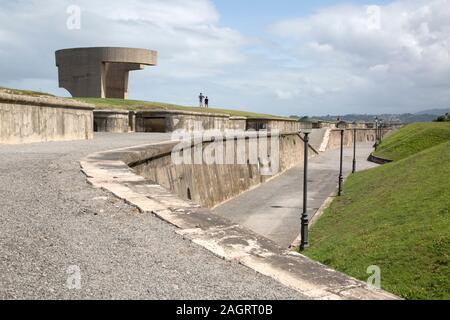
x,y
409,52
186,34
344,58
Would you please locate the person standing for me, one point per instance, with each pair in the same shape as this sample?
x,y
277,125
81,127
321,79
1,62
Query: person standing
x,y
201,97
206,102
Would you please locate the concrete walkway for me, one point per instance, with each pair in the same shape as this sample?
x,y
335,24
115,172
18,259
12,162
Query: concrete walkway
x,y
273,209
53,224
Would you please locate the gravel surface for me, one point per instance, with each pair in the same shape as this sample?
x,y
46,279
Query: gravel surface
x,y
52,223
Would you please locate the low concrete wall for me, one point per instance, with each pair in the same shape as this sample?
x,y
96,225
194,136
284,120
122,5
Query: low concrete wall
x,y
237,123
211,184
282,125
111,121
378,160
171,120
26,119
362,135
324,124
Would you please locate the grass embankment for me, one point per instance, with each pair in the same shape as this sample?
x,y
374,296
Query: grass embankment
x,y
146,105
396,216
24,92
122,104
413,138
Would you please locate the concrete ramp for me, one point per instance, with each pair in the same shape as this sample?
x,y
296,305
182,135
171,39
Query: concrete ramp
x,y
318,138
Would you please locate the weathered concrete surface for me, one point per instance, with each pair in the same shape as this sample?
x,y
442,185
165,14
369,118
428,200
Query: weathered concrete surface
x,y
362,136
171,120
100,72
25,119
211,184
50,219
273,209
232,242
116,121
282,125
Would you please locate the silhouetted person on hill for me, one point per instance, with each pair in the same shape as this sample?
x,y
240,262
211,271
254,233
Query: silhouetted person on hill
x,y
201,97
206,102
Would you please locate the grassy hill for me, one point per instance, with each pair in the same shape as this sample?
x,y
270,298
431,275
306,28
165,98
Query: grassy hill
x,y
147,105
24,92
412,139
396,216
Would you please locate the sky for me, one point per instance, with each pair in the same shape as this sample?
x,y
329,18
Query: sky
x,y
286,57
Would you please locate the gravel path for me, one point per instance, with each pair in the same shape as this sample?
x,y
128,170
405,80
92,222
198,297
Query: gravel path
x,y
52,222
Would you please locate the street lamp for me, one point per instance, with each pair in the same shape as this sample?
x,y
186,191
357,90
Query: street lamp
x,y
380,128
376,134
354,148
341,125
376,129
305,219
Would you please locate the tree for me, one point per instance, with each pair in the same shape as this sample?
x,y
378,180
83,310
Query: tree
x,y
444,118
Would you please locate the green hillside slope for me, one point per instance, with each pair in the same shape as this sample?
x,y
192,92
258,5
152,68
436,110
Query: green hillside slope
x,y
396,216
413,138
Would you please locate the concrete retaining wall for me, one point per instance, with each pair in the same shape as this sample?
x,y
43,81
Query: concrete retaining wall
x,y
282,125
112,121
209,185
378,160
25,119
170,120
362,135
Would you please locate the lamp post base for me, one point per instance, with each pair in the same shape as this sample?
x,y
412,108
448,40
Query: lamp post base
x,y
304,232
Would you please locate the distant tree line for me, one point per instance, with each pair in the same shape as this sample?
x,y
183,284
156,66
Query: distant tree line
x,y
444,118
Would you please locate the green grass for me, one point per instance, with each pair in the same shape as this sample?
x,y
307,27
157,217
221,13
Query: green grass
x,y
24,92
412,139
396,216
109,103
147,105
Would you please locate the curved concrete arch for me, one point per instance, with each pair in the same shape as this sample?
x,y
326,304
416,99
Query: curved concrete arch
x,y
100,72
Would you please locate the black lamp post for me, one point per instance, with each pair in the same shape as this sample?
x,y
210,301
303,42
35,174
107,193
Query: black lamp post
x,y
341,126
305,219
380,128
376,130
354,149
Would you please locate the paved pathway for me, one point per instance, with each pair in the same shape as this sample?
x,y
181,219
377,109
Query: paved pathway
x,y
51,219
273,209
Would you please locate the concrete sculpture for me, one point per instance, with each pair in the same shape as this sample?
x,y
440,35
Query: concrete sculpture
x,y
100,72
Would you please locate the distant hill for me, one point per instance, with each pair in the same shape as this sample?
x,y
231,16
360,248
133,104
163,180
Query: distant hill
x,y
437,112
423,116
